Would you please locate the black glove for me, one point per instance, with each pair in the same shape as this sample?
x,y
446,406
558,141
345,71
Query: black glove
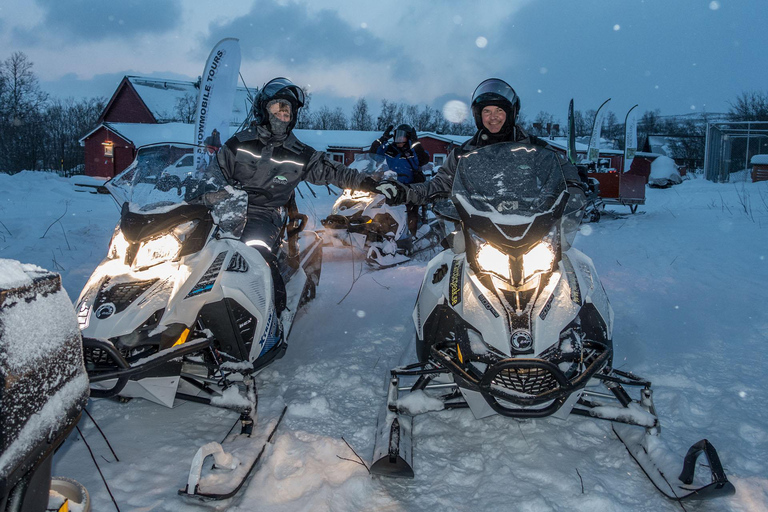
x,y
387,134
368,185
393,191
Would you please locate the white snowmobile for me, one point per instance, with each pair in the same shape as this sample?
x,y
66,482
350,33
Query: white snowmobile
x,y
180,307
366,222
512,320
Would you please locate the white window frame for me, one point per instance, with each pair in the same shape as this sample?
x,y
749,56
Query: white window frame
x,y
336,156
441,156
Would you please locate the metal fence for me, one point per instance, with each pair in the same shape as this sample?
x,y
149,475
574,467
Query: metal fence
x,y
731,145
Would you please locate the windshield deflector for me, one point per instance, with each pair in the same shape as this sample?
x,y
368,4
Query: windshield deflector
x,y
163,177
509,183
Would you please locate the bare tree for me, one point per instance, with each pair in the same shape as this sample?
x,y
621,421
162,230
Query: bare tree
x,y
387,115
21,101
304,118
185,109
749,106
361,118
326,119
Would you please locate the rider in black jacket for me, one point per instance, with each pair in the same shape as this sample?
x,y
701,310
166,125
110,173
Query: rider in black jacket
x,y
268,162
495,107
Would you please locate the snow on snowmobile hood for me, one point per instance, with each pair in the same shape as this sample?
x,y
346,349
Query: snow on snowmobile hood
x,y
503,191
163,177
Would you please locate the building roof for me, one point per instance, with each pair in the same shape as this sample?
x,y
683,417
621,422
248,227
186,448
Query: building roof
x,y
323,140
561,143
162,96
759,160
141,134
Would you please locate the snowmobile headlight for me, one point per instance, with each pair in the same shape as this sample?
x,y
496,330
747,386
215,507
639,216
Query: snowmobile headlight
x,y
117,246
182,231
156,251
493,260
539,259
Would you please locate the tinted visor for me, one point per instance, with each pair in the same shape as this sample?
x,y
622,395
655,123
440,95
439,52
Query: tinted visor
x,y
276,85
401,136
493,88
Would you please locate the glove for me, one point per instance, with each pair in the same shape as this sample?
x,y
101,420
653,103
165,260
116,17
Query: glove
x,y
387,134
368,185
393,191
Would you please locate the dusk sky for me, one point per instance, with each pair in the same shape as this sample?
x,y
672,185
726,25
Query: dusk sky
x,y
679,56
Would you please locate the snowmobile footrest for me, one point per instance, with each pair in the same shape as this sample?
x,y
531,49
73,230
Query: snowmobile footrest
x,y
658,465
720,485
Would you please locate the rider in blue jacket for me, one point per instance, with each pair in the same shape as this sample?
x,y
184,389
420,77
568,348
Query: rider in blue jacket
x,y
405,156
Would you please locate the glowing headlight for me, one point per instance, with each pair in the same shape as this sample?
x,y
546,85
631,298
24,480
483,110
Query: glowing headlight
x,y
117,246
493,260
538,259
157,250
182,231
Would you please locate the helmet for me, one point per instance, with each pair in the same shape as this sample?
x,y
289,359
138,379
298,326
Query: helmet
x,y
276,89
405,133
499,93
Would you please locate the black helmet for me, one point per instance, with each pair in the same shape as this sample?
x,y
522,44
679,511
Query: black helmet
x,y
278,89
499,93
405,133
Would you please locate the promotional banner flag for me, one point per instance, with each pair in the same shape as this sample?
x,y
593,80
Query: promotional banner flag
x,y
593,150
630,138
216,99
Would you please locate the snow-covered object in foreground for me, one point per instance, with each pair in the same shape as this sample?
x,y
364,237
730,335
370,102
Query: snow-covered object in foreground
x,y
366,222
514,321
43,384
180,307
664,173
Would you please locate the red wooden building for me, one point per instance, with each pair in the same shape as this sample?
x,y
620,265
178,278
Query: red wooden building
x,y
147,103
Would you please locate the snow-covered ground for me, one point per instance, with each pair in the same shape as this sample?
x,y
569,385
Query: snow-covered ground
x,y
686,275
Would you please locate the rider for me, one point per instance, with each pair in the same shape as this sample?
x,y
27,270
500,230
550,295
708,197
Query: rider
x,y
495,107
268,162
405,156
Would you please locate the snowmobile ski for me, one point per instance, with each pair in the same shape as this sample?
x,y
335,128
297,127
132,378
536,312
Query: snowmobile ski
x,y
234,461
393,448
646,449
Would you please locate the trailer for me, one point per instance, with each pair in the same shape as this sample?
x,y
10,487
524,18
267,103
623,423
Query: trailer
x,y
624,188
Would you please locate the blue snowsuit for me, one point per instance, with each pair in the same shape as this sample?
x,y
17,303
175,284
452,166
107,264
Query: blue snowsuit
x,y
405,163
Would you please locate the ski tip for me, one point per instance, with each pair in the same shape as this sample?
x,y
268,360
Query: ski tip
x,y
392,469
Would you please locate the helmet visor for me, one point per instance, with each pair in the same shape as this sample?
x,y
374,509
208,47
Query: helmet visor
x,y
276,85
401,136
493,88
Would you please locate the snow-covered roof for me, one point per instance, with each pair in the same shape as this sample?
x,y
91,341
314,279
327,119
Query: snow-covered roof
x,y
162,96
141,134
455,139
562,144
759,159
337,139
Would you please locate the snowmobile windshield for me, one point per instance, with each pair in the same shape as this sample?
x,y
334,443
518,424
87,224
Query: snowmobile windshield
x,y
508,183
373,164
163,177
510,194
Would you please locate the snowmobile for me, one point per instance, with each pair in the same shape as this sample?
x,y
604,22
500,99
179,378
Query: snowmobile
x,y
366,222
180,308
512,320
